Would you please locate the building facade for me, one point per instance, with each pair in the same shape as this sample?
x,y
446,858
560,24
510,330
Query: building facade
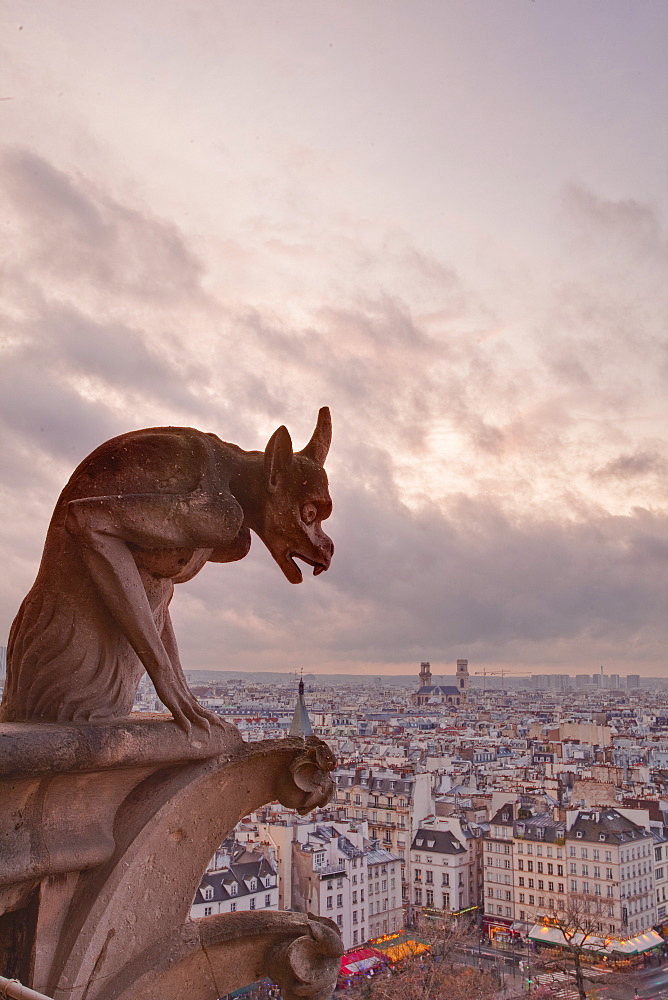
x,y
236,880
599,862
444,860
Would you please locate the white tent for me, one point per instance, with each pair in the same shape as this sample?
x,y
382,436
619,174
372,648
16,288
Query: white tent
x,y
550,935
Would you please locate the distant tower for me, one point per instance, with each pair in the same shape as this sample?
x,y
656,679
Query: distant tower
x,y
425,675
463,676
301,724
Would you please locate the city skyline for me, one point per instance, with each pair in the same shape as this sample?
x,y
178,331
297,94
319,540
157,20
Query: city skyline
x,y
446,222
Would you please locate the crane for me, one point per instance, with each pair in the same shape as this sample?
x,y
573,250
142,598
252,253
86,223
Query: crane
x,y
513,673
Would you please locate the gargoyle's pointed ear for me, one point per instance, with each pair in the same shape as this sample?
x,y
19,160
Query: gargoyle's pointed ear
x,y
277,456
318,446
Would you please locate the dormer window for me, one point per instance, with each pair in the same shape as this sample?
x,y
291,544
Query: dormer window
x,y
252,885
578,833
602,836
233,889
208,892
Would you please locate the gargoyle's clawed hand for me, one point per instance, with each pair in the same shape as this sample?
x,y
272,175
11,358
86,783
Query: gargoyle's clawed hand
x,y
187,712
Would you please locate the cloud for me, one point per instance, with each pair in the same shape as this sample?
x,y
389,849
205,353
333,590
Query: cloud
x,y
631,466
73,230
497,494
406,585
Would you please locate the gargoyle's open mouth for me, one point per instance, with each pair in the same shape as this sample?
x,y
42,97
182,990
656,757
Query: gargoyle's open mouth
x,y
294,573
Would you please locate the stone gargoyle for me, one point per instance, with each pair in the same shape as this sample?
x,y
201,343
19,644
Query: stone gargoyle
x,y
144,511
108,819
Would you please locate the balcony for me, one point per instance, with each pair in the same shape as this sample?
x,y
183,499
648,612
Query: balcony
x,y
325,871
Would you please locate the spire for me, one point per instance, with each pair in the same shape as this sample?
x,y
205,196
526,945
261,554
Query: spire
x,y
301,724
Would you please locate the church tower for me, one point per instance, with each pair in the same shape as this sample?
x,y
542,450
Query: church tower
x,y
425,675
301,724
463,677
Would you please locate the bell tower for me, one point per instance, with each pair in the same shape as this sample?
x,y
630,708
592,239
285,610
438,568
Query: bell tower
x,y
463,676
425,674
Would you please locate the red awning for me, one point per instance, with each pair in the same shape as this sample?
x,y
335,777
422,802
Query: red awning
x,y
355,962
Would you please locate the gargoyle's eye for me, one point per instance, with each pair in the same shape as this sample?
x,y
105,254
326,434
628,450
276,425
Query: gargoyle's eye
x,y
309,513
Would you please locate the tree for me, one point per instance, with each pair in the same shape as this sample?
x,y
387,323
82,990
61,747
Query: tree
x,y
580,924
434,974
423,978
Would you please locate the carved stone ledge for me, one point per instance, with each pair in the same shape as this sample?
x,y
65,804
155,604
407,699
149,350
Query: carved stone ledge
x,y
104,834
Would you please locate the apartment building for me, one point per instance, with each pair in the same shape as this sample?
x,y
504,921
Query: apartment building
x,y
386,914
538,865
611,858
335,871
443,867
392,801
236,880
661,876
499,876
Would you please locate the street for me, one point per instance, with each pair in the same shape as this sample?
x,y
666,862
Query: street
x,y
515,968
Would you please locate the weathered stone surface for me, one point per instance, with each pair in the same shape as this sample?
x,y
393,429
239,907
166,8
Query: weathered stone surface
x,y
112,849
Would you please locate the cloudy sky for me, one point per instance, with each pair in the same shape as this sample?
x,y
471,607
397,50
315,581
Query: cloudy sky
x,y
444,219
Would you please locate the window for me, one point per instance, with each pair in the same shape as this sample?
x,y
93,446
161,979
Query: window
x,y
445,897
208,911
445,878
429,877
233,906
355,941
430,897
208,892
267,899
418,897
339,899
329,902
252,903
339,920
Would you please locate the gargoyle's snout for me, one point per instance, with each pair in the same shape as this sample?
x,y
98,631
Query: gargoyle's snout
x,y
319,558
327,551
